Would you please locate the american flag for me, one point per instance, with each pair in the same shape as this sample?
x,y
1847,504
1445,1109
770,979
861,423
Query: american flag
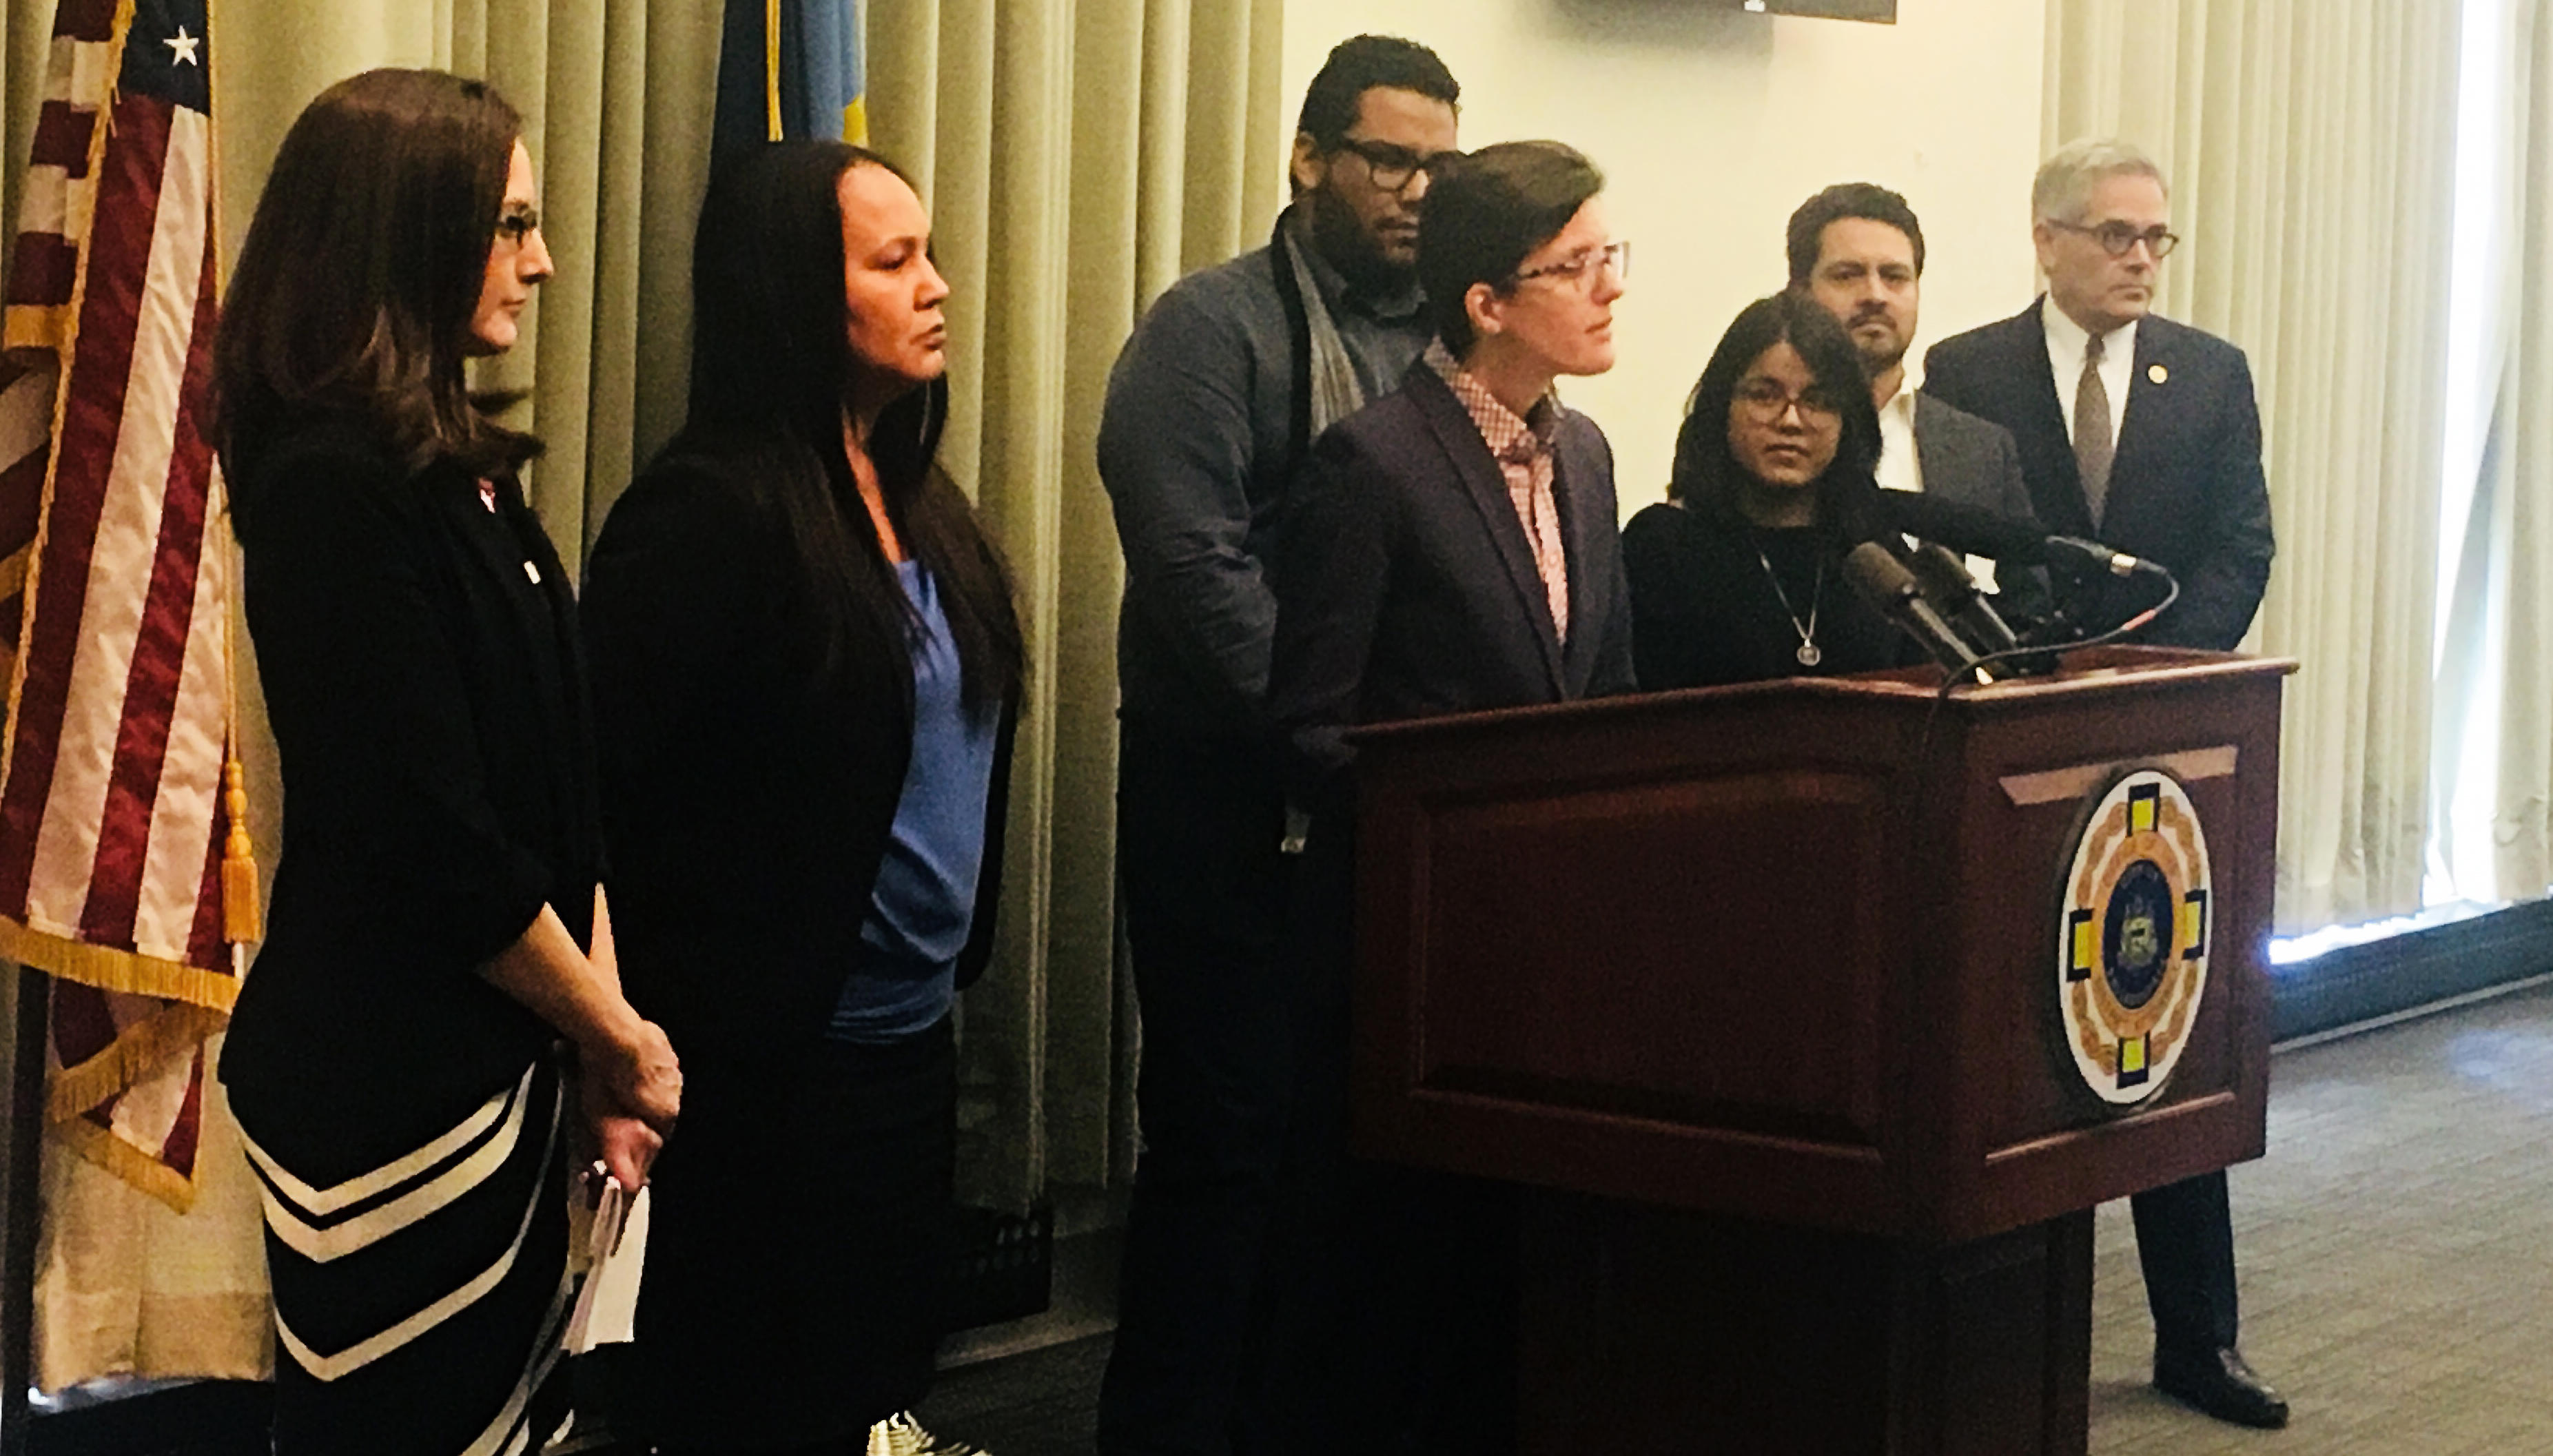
x,y
115,582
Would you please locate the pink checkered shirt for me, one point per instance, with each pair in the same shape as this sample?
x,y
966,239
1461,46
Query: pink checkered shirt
x,y
1524,450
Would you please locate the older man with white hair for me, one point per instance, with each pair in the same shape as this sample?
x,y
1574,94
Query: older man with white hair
x,y
2144,434
2134,430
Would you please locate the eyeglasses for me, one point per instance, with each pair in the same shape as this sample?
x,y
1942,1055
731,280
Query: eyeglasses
x,y
516,224
1766,402
1391,168
1584,267
2117,238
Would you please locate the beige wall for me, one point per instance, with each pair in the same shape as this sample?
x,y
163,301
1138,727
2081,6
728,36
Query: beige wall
x,y
1712,125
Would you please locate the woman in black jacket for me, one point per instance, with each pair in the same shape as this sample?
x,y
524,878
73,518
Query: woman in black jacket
x,y
438,921
804,661
1739,577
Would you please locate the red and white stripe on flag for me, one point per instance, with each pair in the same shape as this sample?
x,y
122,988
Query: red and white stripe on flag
x,y
115,589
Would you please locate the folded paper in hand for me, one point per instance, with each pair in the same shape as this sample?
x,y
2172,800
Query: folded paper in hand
x,y
606,1306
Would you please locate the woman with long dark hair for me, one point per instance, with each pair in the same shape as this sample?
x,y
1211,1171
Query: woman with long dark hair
x,y
438,923
806,658
1739,576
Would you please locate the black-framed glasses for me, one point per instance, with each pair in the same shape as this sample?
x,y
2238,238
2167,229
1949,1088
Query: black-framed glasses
x,y
1766,401
2117,238
1586,267
1391,168
516,224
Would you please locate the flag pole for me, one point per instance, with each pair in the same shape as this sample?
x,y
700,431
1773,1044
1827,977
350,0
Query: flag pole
x,y
243,911
771,67
21,1205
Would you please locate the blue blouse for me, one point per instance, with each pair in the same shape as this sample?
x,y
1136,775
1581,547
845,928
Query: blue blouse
x,y
904,979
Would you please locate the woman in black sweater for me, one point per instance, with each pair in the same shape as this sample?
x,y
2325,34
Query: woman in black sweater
x,y
805,660
1739,576
438,924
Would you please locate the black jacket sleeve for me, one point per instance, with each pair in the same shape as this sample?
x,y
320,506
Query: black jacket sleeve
x,y
1665,634
2221,590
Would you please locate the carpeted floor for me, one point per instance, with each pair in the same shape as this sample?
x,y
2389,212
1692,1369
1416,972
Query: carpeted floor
x,y
2396,1248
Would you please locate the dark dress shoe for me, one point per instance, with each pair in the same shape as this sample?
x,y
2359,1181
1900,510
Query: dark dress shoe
x,y
2217,1383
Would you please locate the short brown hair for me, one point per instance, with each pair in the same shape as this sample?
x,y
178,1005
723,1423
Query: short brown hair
x,y
1485,213
1869,201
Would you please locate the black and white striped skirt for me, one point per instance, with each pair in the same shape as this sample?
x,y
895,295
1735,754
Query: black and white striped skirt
x,y
419,1306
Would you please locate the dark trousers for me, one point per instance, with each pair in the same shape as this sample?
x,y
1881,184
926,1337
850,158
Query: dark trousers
x,y
1212,1245
2186,1240
1408,1296
799,1250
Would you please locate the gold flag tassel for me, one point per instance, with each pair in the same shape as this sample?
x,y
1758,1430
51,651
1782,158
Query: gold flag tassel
x,y
243,913
243,917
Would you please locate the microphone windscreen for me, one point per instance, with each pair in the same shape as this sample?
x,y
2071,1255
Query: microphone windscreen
x,y
1970,530
1943,576
1953,593
1879,577
1887,585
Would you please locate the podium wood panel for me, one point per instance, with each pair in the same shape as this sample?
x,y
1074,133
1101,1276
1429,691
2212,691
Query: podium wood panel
x,y
1786,951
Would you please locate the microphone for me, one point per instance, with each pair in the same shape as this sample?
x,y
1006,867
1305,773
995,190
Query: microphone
x,y
1891,588
1953,593
1972,530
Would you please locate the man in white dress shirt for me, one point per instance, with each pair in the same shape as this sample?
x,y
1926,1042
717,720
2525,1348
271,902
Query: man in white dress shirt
x,y
2143,433
2155,447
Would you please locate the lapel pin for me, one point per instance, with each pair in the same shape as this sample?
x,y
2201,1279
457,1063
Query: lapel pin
x,y
532,572
2159,373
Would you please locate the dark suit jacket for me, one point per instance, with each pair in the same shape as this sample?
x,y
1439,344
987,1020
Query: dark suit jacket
x,y
2186,487
747,787
429,701
1973,462
1405,586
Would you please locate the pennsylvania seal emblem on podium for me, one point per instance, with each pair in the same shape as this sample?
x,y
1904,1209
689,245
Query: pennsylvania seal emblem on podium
x,y
2132,940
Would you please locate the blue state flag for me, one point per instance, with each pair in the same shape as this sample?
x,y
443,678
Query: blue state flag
x,y
791,69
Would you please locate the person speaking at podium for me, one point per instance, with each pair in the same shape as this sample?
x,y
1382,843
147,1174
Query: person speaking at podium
x,y
1739,575
1453,551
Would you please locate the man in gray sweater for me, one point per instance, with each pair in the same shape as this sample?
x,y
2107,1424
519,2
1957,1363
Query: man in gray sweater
x,y
1212,410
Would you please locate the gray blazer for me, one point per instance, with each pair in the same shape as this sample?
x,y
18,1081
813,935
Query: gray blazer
x,y
1974,462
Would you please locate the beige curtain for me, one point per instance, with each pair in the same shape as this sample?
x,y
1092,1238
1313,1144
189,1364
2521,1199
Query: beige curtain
x,y
2516,563
2310,149
1078,156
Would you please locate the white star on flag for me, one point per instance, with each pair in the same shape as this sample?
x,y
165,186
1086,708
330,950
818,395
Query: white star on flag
x,y
181,49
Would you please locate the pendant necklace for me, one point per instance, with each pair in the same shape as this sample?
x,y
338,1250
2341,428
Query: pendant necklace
x,y
1808,652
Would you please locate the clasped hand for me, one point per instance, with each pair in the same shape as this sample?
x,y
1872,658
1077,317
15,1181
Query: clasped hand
x,y
633,1091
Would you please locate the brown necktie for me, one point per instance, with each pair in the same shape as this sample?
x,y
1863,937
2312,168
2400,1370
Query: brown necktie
x,y
2093,447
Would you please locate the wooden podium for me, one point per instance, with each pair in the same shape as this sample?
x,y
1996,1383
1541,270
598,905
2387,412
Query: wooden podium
x,y
1764,991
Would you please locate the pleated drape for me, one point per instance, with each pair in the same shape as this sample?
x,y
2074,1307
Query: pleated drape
x,y
2310,147
2514,569
1078,156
